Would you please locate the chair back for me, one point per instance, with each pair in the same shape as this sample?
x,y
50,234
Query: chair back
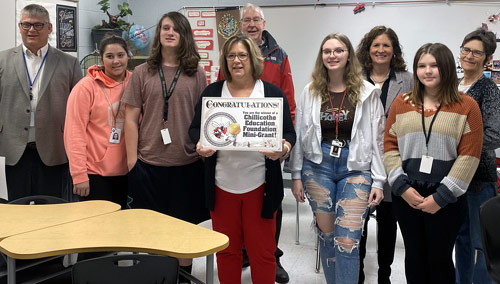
x,y
130,268
38,200
490,233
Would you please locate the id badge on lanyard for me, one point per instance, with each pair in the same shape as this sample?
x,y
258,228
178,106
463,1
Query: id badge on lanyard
x,y
336,148
116,135
337,145
165,134
427,160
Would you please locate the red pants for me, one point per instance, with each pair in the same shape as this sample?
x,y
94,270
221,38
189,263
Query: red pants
x,y
238,217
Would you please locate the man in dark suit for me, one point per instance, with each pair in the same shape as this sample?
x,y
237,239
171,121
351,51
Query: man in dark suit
x,y
35,82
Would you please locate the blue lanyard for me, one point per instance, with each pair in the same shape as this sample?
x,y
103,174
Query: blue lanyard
x,y
37,72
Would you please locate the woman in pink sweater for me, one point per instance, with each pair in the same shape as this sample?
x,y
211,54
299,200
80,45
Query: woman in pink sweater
x,y
93,133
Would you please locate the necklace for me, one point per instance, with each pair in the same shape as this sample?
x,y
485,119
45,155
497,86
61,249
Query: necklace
x,y
380,81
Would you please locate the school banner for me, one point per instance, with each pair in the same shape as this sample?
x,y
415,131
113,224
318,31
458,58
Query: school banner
x,y
227,23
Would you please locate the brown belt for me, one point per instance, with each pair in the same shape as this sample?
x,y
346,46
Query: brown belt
x,y
31,145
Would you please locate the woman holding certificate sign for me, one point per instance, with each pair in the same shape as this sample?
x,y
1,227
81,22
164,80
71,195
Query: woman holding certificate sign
x,y
244,188
337,162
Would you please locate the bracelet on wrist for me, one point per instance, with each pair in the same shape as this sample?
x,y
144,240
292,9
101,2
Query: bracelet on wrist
x,y
287,150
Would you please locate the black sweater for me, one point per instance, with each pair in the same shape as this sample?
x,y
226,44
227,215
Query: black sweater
x,y
487,96
273,193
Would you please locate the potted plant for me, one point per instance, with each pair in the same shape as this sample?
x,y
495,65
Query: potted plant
x,y
114,25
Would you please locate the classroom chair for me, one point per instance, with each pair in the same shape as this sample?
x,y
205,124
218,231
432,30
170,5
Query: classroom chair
x,y
25,264
490,233
128,268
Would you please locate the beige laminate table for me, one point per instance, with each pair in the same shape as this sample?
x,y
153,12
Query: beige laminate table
x,y
19,219
134,230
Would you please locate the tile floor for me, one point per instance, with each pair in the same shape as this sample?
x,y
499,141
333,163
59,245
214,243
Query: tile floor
x,y
299,260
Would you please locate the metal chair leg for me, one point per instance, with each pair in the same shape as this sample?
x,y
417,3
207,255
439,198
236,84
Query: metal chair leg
x,y
318,260
297,225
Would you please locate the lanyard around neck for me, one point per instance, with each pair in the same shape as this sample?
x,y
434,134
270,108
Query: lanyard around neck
x,y
338,114
115,115
166,94
31,83
428,135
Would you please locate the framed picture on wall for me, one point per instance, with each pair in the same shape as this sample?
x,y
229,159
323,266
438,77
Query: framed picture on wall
x,y
66,28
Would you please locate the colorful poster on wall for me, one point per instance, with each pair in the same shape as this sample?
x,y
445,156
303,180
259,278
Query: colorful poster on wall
x,y
203,24
66,28
242,124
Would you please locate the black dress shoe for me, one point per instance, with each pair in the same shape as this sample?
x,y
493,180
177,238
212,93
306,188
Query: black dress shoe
x,y
281,274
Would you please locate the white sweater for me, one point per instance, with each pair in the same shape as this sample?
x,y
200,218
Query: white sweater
x,y
366,146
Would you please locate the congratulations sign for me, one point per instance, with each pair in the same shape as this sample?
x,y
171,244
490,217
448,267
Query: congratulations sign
x,y
242,124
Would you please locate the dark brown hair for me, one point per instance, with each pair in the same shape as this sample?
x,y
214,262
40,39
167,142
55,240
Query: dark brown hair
x,y
447,90
363,52
487,38
186,52
112,39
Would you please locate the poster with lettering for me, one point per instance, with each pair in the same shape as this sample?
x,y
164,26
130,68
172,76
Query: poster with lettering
x,y
66,28
242,124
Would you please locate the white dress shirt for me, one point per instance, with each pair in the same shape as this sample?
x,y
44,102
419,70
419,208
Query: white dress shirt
x,y
33,63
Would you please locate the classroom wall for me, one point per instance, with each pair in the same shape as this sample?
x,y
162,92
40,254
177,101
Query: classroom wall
x,y
300,30
8,20
90,15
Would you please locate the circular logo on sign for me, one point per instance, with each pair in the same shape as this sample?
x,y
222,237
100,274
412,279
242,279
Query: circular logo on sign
x,y
228,26
217,129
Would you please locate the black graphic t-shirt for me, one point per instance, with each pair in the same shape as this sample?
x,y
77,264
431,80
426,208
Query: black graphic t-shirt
x,y
328,117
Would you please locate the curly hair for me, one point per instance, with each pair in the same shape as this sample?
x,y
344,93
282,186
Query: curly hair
x,y
186,52
353,77
363,52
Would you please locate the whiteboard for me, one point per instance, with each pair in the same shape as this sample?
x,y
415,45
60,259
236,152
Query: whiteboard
x,y
300,30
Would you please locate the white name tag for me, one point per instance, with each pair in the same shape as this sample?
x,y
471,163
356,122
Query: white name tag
x,y
426,164
115,136
165,135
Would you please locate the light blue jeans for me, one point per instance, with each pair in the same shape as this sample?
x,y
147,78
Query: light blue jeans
x,y
469,267
332,189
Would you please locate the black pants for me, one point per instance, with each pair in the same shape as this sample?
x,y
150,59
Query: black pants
x,y
113,189
429,239
177,191
30,176
279,218
386,243
362,251
386,240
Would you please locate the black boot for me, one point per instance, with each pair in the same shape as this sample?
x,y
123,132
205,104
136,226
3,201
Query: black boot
x,y
281,274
